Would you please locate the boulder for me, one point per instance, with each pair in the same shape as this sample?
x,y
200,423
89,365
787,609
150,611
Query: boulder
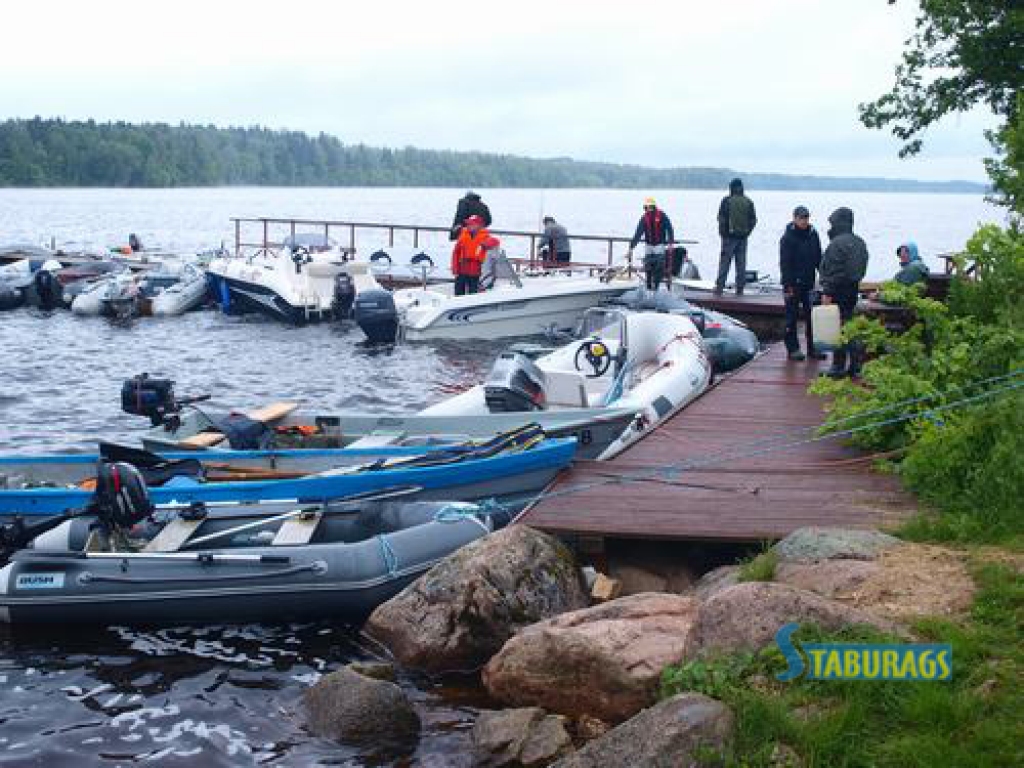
x,y
747,616
675,732
829,578
814,543
604,661
715,581
519,738
458,614
352,708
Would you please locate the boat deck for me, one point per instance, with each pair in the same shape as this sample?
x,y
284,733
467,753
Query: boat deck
x,y
751,471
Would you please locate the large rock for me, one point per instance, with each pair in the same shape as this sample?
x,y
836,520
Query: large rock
x,y
747,616
355,709
461,611
519,738
837,579
604,661
814,543
713,582
677,732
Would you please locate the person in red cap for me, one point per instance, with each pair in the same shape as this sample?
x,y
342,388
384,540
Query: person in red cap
x,y
468,255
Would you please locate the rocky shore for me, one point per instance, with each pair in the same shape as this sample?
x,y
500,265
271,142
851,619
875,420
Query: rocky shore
x,y
582,681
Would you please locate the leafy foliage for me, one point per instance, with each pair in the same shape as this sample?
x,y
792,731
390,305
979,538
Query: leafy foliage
x,y
41,152
950,391
951,64
761,567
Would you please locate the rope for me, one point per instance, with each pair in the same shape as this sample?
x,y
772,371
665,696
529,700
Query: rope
x,y
456,512
388,555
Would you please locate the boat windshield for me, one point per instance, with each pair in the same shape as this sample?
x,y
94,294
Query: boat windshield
x,y
314,242
609,324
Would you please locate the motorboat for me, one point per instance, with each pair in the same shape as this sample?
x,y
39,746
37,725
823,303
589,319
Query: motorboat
x,y
117,295
307,279
141,564
189,292
180,424
730,343
30,281
650,363
521,462
529,306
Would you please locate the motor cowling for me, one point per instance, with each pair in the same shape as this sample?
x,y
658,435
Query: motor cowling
x,y
48,289
121,499
515,384
153,398
344,295
377,315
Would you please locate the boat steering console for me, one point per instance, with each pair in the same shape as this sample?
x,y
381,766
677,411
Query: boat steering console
x,y
595,353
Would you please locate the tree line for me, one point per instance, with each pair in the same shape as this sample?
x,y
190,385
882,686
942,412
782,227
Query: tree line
x,y
53,152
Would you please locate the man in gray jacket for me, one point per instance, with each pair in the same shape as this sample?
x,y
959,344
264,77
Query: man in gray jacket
x,y
842,268
554,243
736,220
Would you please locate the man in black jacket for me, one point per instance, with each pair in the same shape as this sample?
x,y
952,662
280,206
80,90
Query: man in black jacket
x,y
799,257
469,205
842,268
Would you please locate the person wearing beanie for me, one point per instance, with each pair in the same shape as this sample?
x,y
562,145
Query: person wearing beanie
x,y
655,229
736,220
842,268
555,247
470,205
799,257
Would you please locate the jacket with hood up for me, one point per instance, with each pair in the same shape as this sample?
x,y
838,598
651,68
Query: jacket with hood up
x,y
846,259
470,205
915,270
736,214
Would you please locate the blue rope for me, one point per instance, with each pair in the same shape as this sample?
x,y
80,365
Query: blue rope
x,y
388,554
457,511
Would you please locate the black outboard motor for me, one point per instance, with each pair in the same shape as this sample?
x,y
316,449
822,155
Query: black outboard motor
x,y
153,398
377,316
344,295
134,242
515,384
121,499
48,288
10,296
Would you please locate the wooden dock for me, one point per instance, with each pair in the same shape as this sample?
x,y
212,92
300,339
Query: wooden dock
x,y
742,479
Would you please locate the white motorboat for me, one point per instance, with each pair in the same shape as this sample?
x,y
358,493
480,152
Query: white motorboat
x,y
307,280
531,306
650,363
188,293
116,296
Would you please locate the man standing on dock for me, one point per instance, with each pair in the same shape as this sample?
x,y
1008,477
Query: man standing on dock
x,y
799,257
470,205
842,268
736,220
655,229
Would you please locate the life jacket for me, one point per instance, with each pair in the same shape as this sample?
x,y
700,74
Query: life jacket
x,y
468,254
652,227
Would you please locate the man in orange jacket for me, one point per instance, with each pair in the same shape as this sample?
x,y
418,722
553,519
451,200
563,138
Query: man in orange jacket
x,y
468,255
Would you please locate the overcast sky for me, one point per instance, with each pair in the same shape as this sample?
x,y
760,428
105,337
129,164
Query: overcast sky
x,y
755,85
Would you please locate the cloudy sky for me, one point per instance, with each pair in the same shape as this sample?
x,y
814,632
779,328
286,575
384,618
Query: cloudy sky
x,y
755,85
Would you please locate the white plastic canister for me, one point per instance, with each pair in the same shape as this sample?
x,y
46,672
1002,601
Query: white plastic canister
x,y
825,322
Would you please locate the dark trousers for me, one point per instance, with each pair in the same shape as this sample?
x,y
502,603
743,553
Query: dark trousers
x,y
797,305
465,284
846,297
732,248
654,267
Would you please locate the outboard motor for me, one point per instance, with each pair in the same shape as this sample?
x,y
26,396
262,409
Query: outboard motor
x,y
377,316
153,398
515,384
121,499
10,297
48,288
344,295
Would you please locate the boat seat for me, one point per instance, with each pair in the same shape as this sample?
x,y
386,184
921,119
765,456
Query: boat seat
x,y
566,388
297,530
173,535
203,440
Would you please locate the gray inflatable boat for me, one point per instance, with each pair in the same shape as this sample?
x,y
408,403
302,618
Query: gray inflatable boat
x,y
324,561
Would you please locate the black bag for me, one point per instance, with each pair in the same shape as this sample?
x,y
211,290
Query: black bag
x,y
245,434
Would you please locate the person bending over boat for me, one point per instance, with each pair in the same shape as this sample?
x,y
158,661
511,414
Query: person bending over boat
x,y
912,269
842,268
555,247
655,229
470,205
799,257
469,253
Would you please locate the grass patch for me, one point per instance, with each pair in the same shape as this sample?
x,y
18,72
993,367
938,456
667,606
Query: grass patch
x,y
761,567
972,720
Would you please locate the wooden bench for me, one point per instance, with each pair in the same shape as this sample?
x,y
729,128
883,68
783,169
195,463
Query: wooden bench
x,y
267,414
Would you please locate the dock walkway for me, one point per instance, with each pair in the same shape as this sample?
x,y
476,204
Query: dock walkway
x,y
763,494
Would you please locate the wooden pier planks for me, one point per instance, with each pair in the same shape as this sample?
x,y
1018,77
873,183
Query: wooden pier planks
x,y
744,481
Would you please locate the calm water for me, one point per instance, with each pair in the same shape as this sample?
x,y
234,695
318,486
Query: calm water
x,y
227,695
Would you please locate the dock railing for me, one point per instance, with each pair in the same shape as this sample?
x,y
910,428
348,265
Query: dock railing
x,y
271,238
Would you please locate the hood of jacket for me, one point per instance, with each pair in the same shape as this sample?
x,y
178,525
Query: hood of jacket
x,y
911,247
472,196
841,220
736,187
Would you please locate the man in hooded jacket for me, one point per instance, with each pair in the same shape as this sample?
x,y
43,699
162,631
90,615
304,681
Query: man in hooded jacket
x,y
736,220
842,268
470,205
